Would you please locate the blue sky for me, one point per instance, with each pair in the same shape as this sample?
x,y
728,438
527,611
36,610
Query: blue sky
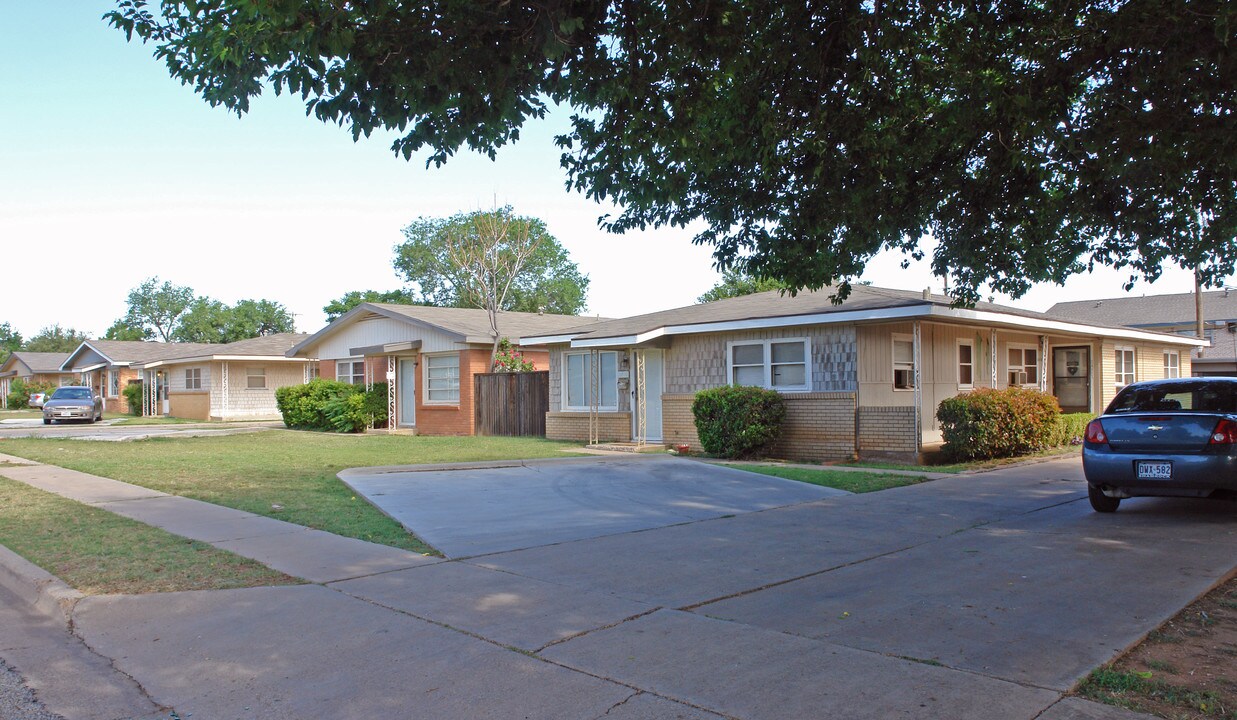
x,y
112,172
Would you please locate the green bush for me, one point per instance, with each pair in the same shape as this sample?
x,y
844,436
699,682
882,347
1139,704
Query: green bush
x,y
20,391
1070,429
331,405
735,422
133,396
997,423
346,413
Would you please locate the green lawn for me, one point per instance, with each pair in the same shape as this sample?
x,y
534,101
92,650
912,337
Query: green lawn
x,y
97,551
850,481
20,414
972,466
292,469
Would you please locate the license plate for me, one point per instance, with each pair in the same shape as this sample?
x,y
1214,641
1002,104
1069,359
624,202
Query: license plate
x,y
64,414
1155,470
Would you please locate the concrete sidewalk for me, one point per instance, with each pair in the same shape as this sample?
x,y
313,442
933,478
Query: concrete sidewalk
x,y
962,598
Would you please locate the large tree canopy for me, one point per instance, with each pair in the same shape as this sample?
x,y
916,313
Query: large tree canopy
x,y
1030,140
547,281
337,307
55,339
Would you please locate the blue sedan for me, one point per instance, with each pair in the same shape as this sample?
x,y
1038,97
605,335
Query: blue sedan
x,y
1169,438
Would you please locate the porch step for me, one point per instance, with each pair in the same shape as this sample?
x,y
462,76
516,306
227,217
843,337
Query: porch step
x,y
628,447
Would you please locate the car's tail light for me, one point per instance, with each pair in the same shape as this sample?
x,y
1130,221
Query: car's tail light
x,y
1096,434
1225,433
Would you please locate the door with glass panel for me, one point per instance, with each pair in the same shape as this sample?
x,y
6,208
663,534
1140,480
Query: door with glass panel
x,y
406,387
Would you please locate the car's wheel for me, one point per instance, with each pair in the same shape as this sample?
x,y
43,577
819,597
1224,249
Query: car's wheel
x,y
47,421
1101,502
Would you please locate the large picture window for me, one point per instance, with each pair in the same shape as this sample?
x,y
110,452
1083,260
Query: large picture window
x,y
1125,366
350,371
1023,366
774,364
442,379
578,389
903,363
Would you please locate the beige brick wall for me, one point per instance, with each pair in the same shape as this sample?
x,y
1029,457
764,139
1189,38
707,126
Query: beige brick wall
x,y
886,431
819,426
612,427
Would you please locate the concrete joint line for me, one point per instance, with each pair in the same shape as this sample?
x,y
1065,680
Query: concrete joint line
x,y
582,633
160,707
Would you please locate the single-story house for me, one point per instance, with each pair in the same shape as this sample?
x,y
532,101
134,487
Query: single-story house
x,y
231,381
32,367
1172,313
863,377
107,365
427,355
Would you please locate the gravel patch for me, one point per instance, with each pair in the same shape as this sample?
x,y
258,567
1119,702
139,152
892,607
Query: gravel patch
x,y
17,702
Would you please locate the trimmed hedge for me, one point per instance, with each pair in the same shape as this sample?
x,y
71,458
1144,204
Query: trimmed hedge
x,y
332,405
735,422
989,423
1070,429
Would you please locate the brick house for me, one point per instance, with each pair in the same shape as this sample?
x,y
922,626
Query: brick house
x,y
428,356
863,377
231,381
108,365
32,367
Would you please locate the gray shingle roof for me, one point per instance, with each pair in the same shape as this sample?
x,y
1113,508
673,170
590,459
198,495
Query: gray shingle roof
x,y
475,323
267,345
1149,310
40,363
140,351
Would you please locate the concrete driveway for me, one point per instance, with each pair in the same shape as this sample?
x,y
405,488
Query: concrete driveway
x,y
471,509
981,596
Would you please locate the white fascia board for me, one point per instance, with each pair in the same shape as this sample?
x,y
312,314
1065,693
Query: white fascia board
x,y
88,368
991,318
547,339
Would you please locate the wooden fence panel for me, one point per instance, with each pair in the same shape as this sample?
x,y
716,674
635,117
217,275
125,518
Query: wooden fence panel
x,y
511,404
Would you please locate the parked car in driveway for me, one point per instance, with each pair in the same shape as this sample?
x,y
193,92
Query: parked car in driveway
x,y
1174,438
36,400
73,402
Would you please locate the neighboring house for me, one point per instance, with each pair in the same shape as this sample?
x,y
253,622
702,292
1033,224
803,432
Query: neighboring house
x,y
107,365
861,377
32,367
232,381
1174,314
429,355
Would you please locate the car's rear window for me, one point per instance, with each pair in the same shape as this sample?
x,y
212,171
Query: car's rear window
x,y
1176,397
71,394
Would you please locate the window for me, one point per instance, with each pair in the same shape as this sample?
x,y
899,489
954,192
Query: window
x,y
312,371
350,371
193,378
255,378
578,390
1172,364
1023,366
1125,366
442,379
774,364
113,383
966,364
903,363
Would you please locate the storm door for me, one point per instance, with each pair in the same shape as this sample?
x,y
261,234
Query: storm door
x,y
1071,378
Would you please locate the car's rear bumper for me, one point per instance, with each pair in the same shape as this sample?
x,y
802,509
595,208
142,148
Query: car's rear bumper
x,y
1191,475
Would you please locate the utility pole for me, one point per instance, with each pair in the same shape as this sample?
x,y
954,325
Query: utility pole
x,y
1198,308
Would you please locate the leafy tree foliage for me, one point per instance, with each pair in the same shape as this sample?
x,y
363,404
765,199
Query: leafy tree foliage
x,y
10,341
210,321
336,308
55,339
1030,140
735,283
122,330
156,308
548,281
259,318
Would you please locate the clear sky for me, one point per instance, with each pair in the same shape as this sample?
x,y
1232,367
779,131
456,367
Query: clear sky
x,y
111,172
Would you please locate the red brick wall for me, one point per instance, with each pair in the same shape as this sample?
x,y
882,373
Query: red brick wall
x,y
451,419
326,369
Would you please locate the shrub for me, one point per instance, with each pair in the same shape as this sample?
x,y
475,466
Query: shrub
x,y
510,360
1070,429
989,423
346,413
737,422
20,391
133,396
376,405
304,406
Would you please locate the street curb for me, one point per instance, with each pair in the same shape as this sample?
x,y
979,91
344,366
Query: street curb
x,y
45,592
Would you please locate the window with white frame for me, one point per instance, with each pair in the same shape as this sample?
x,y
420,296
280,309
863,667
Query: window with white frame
x,y
442,379
255,378
113,383
1125,366
903,362
350,371
966,364
193,378
780,364
312,371
1172,364
1023,366
578,388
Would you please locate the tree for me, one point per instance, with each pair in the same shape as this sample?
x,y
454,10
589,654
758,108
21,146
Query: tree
x,y
1029,140
122,330
259,318
157,308
205,321
735,283
547,280
55,339
10,341
210,321
336,308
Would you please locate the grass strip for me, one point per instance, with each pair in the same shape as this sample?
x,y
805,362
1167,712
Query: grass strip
x,y
99,552
1142,692
850,481
972,466
284,474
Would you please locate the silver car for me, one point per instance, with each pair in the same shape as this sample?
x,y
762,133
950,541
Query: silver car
x,y
73,402
1174,438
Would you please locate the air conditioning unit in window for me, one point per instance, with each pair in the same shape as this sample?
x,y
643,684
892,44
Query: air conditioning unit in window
x,y
1017,377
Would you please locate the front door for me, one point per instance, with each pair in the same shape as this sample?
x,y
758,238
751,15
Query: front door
x,y
406,388
651,384
1071,378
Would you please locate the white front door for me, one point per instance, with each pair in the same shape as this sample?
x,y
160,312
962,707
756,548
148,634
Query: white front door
x,y
653,387
406,388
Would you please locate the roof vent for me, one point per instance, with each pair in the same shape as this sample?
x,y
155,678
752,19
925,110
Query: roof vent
x,y
1098,303
927,293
